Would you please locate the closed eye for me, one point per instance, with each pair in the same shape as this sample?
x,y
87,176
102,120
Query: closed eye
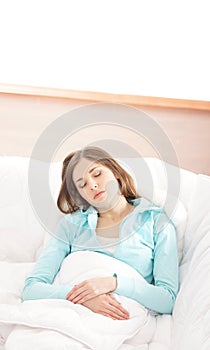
x,y
97,174
82,186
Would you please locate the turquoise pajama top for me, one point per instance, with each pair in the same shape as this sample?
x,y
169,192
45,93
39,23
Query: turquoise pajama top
x,y
147,242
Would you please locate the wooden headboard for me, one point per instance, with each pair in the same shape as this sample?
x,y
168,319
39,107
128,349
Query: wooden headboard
x,y
25,112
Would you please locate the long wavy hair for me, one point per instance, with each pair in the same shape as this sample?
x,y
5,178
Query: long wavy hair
x,y
69,199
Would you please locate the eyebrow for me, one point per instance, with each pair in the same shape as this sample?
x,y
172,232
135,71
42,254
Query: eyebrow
x,y
90,171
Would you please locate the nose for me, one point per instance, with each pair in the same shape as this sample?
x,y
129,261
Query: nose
x,y
93,186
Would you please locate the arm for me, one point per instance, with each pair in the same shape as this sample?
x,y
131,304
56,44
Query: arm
x,y
38,284
159,297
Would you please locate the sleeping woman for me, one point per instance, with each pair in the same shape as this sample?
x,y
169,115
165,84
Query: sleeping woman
x,y
105,214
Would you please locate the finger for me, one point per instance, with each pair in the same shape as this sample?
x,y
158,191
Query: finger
x,y
69,296
75,290
119,308
107,315
82,298
70,293
83,288
78,287
114,314
75,293
118,312
110,314
116,303
85,295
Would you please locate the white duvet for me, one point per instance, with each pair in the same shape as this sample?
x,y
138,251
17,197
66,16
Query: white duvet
x,y
76,325
58,324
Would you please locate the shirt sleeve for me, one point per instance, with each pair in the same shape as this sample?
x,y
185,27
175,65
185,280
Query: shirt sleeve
x,y
38,285
161,295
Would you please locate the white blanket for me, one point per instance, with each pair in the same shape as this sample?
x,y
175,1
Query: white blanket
x,y
75,326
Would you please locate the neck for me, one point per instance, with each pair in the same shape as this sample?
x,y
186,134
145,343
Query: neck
x,y
117,212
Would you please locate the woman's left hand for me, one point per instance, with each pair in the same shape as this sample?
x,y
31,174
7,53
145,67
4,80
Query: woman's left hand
x,y
91,288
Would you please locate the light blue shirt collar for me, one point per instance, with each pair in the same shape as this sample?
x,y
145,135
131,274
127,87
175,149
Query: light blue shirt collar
x,y
141,205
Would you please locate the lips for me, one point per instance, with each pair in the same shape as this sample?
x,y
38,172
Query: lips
x,y
98,194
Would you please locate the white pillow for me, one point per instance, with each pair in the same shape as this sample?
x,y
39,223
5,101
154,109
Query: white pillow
x,y
151,176
21,233
177,213
199,209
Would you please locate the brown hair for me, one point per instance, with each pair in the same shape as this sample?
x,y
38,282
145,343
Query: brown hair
x,y
69,199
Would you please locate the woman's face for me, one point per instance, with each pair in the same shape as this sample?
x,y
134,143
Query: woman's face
x,y
96,184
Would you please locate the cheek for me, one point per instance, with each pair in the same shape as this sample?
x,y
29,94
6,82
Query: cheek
x,y
83,193
112,186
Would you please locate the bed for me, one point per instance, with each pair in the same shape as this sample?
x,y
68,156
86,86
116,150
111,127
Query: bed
x,y
44,324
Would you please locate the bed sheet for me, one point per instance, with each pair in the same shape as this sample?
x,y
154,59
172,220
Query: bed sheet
x,y
137,333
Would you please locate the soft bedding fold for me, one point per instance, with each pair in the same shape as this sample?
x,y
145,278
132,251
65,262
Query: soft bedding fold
x,y
93,330
78,322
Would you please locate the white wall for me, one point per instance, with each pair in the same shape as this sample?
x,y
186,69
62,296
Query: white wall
x,y
151,48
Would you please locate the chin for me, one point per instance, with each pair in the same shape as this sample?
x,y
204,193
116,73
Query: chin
x,y
107,205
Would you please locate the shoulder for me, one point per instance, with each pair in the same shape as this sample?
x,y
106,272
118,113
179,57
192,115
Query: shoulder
x,y
68,225
152,212
78,218
74,217
143,205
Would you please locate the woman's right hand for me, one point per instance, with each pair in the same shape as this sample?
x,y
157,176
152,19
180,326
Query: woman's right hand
x,y
107,305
